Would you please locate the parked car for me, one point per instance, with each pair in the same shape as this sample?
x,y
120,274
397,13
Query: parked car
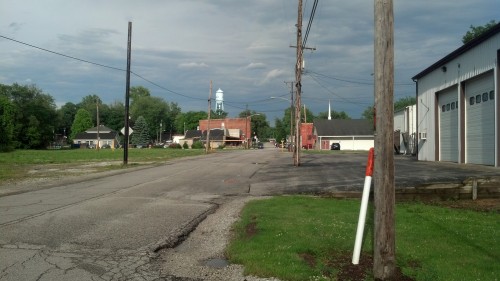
x,y
260,145
307,146
335,146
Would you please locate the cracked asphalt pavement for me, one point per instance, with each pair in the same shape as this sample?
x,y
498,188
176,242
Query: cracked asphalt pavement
x,y
172,221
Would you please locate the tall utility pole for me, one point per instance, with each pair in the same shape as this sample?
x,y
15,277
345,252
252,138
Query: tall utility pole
x,y
97,119
127,95
384,260
298,87
208,121
291,108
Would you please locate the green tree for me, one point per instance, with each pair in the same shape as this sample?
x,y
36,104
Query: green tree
x,y
114,117
6,124
30,101
89,103
258,123
476,31
368,113
281,130
404,102
189,120
138,92
398,105
334,114
82,122
155,110
33,133
140,136
66,115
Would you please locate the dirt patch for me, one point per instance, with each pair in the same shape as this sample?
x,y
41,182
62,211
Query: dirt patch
x,y
251,228
341,267
309,259
479,205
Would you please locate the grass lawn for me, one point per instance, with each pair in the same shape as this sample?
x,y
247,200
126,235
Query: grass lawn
x,y
311,238
19,164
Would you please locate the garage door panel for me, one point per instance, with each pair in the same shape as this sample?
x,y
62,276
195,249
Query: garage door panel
x,y
480,121
448,124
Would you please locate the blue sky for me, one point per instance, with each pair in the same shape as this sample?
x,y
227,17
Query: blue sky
x,y
242,46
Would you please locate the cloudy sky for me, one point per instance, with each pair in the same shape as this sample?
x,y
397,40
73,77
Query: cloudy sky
x,y
179,46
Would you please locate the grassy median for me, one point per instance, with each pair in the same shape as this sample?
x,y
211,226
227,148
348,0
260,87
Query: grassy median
x,y
21,164
311,238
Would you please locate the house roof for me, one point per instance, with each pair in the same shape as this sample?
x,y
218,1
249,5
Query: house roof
x,y
466,47
343,127
193,134
93,136
102,129
215,134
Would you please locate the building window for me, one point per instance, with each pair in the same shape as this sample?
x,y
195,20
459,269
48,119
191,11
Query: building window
x,y
485,97
443,108
456,105
448,107
492,95
453,106
471,100
478,99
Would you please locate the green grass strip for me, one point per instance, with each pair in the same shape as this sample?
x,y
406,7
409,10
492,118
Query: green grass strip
x,y
305,238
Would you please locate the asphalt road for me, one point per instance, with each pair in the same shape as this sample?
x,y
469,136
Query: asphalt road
x,y
112,227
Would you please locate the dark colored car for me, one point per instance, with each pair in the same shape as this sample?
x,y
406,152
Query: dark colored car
x,y
335,146
260,145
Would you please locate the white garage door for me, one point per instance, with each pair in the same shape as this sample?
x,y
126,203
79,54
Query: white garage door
x,y
448,124
480,121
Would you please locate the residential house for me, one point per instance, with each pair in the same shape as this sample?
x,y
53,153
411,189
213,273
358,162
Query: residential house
x,y
101,136
351,134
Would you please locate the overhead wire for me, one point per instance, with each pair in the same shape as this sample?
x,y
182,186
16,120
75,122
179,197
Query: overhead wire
x,y
101,65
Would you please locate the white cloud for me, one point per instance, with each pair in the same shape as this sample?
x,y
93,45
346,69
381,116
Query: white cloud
x,y
193,65
255,65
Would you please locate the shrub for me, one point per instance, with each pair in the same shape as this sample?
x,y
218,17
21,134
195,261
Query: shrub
x,y
197,145
175,145
185,145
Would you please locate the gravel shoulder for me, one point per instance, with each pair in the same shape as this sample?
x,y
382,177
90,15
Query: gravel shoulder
x,y
201,255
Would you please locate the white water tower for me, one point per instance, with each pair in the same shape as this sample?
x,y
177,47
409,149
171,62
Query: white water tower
x,y
219,100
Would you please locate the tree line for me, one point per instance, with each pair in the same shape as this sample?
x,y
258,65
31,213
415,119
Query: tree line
x,y
29,117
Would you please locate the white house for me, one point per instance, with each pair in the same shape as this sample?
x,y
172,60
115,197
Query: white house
x,y
102,135
351,134
457,104
405,130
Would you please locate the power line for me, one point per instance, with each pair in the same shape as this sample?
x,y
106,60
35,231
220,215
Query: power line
x,y
352,81
313,12
101,65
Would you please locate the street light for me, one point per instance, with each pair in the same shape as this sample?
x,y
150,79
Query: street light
x,y
291,113
246,128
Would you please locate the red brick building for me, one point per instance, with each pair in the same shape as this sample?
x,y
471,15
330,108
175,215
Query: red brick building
x,y
307,137
230,124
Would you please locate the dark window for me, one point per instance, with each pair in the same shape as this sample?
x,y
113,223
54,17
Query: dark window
x,y
478,99
471,100
485,96
492,95
453,106
456,103
443,108
448,107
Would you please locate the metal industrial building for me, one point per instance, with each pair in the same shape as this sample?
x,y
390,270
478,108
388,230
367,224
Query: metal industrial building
x,y
458,109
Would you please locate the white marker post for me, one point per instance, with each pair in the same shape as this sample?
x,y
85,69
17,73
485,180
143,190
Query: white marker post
x,y
364,205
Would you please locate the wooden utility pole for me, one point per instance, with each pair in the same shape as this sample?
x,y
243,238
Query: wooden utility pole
x,y
127,96
97,119
207,148
291,108
384,260
298,87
